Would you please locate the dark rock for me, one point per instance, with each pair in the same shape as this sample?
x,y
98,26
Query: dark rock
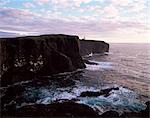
x,y
10,77
110,114
66,109
11,93
142,114
104,92
22,58
146,112
91,46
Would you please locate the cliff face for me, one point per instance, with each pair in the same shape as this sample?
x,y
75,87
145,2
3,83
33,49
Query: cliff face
x,y
24,57
91,46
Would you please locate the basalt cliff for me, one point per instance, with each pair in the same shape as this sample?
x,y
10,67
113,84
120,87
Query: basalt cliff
x,y
24,58
92,46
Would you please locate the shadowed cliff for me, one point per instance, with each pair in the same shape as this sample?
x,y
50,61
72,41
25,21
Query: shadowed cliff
x,y
22,58
25,58
92,46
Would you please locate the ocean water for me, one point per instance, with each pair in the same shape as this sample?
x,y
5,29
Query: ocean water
x,y
126,66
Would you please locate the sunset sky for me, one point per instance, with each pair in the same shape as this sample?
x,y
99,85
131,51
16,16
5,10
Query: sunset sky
x,y
108,20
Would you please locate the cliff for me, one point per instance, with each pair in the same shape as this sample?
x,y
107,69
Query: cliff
x,y
92,46
24,58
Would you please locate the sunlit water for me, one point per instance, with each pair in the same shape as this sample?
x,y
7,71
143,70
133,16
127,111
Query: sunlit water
x,y
126,67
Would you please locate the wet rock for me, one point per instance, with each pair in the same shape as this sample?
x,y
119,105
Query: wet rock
x,y
104,92
91,46
110,114
11,93
114,114
65,82
147,110
10,77
66,109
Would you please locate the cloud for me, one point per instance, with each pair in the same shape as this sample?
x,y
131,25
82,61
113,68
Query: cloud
x,y
138,6
91,18
29,5
67,3
111,11
13,33
24,21
131,5
16,18
79,2
41,2
7,34
122,3
4,2
115,10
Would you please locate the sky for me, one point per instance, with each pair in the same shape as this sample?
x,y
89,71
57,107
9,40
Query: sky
x,y
108,20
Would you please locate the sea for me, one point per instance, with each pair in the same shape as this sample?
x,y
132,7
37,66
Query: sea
x,y
125,66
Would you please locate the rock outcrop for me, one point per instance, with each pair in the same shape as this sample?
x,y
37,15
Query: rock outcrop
x,y
69,109
91,46
54,110
24,58
142,114
105,92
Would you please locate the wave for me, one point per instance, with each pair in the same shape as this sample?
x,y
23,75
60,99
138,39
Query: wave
x,y
121,100
99,65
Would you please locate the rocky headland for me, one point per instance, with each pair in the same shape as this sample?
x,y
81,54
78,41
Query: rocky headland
x,y
23,58
40,59
92,46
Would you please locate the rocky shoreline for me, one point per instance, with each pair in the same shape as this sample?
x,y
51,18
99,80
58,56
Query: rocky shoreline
x,y
40,59
23,58
58,108
70,109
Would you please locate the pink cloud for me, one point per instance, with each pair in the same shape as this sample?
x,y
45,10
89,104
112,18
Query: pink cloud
x,y
24,20
121,2
29,4
41,2
110,12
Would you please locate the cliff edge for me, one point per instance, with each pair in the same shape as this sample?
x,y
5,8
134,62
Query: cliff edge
x,y
25,58
92,46
22,58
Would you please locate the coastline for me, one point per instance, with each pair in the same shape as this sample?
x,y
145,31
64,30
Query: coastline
x,y
72,93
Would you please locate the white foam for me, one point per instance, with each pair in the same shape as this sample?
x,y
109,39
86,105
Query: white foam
x,y
100,65
123,99
64,95
107,53
92,67
46,100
